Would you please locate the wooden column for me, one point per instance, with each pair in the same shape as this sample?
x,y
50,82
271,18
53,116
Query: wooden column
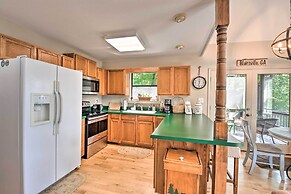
x,y
219,168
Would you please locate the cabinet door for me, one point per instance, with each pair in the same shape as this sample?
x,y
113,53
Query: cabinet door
x,y
91,68
114,130
128,132
143,133
104,82
81,63
116,82
165,81
68,62
99,73
83,138
182,80
11,48
48,56
158,121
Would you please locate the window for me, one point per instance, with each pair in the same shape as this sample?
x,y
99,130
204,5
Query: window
x,y
144,84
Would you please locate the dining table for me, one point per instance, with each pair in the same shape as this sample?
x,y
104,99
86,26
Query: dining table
x,y
283,133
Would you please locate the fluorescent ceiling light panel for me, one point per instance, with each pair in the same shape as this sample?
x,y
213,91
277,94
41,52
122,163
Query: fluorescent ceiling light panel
x,y
126,44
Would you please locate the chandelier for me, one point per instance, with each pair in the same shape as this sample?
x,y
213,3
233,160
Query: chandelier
x,y
281,46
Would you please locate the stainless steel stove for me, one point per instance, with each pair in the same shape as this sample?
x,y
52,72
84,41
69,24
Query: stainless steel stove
x,y
96,129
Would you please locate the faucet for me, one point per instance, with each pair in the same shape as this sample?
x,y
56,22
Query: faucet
x,y
141,108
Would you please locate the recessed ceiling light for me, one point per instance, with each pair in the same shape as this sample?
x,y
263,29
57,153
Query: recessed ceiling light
x,y
180,47
126,43
181,17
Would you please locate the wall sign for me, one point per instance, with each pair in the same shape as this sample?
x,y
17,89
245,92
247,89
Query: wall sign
x,y
252,62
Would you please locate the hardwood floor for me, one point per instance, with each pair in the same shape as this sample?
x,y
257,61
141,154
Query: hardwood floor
x,y
108,172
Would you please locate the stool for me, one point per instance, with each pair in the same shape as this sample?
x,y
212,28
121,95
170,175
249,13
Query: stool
x,y
234,152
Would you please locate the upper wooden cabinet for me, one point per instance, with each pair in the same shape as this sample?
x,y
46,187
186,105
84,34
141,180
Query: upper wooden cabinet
x,y
68,62
87,66
11,48
81,63
92,71
182,80
165,78
103,81
48,56
174,80
117,82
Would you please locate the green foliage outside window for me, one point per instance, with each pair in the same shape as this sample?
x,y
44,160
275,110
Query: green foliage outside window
x,y
144,79
280,91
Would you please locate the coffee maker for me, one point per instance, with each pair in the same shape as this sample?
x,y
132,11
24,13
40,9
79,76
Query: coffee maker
x,y
168,106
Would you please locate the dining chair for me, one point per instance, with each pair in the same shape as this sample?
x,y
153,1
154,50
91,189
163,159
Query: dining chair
x,y
261,149
263,125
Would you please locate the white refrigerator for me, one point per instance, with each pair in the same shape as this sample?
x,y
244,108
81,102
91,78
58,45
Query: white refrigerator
x,y
40,124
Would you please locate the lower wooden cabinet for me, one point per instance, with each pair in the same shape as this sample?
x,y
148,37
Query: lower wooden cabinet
x,y
114,124
128,128
158,121
143,133
83,138
131,129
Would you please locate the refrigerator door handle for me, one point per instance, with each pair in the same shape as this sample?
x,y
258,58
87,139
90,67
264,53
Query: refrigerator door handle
x,y
60,107
56,108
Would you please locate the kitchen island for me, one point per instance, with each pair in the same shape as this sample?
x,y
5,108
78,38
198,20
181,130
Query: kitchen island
x,y
188,132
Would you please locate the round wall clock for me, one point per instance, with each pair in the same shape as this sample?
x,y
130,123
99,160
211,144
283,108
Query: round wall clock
x,y
199,82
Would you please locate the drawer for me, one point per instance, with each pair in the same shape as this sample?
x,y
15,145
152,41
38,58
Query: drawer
x,y
144,118
128,117
114,116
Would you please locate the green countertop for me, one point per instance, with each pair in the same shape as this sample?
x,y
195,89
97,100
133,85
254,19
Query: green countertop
x,y
83,117
186,128
191,128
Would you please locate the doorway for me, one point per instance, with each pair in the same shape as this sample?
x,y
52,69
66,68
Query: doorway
x,y
260,94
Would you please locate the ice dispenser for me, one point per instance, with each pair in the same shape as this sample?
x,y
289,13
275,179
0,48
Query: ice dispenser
x,y
40,109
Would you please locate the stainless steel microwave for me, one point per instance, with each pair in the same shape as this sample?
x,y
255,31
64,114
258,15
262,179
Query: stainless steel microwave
x,y
90,86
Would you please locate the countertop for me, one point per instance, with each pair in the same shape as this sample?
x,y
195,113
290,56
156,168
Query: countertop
x,y
186,128
191,128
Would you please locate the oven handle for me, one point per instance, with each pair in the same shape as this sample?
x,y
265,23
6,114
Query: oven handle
x,y
95,120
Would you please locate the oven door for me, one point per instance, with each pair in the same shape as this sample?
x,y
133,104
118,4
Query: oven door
x,y
97,128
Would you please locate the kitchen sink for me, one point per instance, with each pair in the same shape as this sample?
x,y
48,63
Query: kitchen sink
x,y
140,111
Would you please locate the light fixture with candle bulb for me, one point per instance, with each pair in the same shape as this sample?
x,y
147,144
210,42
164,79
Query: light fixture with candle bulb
x,y
281,46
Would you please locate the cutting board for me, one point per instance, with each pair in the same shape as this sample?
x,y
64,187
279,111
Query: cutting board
x,y
114,106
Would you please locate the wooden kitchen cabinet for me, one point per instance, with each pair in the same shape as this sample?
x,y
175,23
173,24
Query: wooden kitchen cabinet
x,y
82,63
182,80
48,56
117,82
174,80
144,129
11,48
158,120
114,131
92,71
128,128
103,81
83,138
99,73
165,81
68,62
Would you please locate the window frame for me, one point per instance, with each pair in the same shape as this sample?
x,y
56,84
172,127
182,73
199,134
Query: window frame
x,y
139,86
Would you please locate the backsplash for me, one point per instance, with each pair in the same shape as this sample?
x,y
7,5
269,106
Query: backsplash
x,y
94,99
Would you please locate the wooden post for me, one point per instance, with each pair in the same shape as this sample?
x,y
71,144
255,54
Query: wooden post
x,y
219,167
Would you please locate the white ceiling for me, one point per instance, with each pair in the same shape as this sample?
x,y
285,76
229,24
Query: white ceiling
x,y
83,24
